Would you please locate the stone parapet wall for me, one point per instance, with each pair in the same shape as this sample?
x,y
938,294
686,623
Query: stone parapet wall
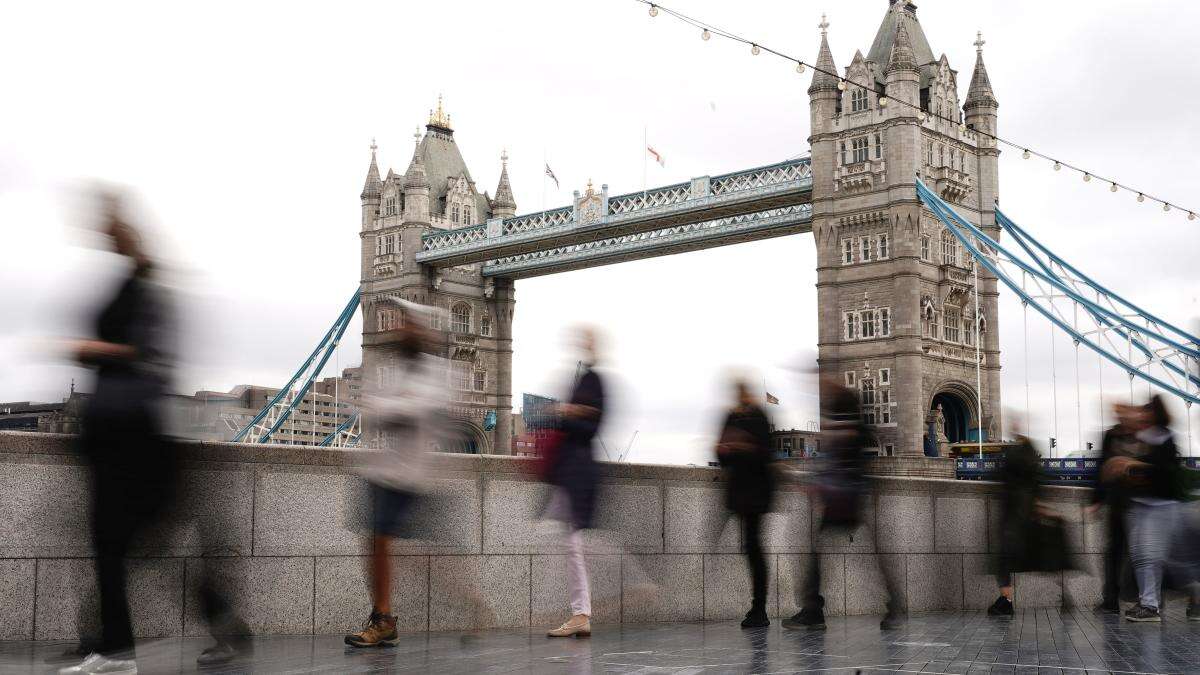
x,y
275,522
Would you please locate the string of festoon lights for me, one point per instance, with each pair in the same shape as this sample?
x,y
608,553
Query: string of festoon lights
x,y
707,31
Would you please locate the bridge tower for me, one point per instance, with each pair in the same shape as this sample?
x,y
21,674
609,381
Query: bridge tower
x,y
897,316
436,192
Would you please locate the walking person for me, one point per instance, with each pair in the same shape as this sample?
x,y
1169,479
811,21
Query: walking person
x,y
1118,441
840,486
573,476
744,452
404,405
133,469
1154,483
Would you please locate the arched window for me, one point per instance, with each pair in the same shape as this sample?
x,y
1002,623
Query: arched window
x,y
480,380
949,249
485,325
466,215
460,318
454,213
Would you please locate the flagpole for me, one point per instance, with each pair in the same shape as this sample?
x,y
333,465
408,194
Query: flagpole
x,y
645,150
545,165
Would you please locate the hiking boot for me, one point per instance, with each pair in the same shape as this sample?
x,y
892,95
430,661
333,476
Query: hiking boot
x,y
1193,612
806,619
1140,612
576,626
96,664
1001,607
756,618
379,631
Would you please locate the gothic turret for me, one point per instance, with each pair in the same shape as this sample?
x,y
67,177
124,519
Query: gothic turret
x,y
980,93
823,76
504,206
416,188
371,190
903,76
824,100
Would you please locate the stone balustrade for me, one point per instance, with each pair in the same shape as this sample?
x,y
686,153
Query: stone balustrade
x,y
274,522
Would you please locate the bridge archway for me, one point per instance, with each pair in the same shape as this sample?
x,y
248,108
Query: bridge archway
x,y
958,411
465,438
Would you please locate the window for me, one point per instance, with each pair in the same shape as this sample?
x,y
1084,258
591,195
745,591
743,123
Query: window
x,y
389,206
924,247
849,378
878,146
885,406
949,249
859,147
379,243
950,323
460,318
387,319
941,155
889,450
851,326
847,251
866,320
866,249
435,319
480,382
844,162
858,99
485,325
882,246
454,213
867,387
968,332
466,215
461,373
885,376
885,321
929,153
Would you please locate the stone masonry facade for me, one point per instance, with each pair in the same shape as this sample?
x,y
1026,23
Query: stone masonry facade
x,y
437,192
896,292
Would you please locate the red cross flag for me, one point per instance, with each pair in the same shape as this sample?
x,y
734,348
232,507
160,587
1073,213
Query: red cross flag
x,y
657,157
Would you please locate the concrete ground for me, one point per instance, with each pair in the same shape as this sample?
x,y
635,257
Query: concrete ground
x,y
1035,641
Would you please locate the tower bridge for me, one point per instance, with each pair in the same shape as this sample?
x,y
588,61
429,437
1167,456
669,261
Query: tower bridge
x,y
895,290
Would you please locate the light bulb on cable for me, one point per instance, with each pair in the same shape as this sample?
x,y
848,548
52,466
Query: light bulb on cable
x,y
1025,155
921,117
800,67
755,50
883,101
1191,215
705,35
1112,188
653,11
1057,166
962,128
1141,198
1087,177
841,85
1166,207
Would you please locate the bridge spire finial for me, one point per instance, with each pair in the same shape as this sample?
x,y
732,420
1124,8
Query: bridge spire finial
x,y
979,41
824,25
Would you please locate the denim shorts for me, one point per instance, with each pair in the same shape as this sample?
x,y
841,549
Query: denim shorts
x,y
391,510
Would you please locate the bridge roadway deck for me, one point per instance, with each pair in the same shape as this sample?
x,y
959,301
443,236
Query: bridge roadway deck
x,y
1036,641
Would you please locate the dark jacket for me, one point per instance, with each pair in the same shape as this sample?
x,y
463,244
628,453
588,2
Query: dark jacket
x,y
575,469
1163,472
1028,542
1115,443
750,481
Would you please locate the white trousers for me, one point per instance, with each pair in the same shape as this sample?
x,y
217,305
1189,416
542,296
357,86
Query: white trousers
x,y
577,575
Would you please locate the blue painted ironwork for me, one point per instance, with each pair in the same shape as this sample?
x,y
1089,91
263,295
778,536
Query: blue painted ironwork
x,y
319,357
956,224
767,187
342,428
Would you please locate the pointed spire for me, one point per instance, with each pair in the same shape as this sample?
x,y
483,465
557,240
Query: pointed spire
x,y
980,91
372,186
823,74
902,57
415,176
503,202
438,118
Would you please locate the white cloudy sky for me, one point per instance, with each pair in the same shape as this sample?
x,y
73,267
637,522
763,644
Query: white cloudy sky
x,y
244,128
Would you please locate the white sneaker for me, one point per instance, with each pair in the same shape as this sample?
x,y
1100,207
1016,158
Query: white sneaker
x,y
97,663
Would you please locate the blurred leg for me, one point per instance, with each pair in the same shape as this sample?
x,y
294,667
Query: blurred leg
x,y
751,523
1114,556
381,575
577,576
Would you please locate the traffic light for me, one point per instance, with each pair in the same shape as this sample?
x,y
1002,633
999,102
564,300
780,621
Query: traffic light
x,y
1053,442
1089,446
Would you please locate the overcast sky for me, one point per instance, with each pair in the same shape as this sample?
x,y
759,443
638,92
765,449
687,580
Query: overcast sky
x,y
243,128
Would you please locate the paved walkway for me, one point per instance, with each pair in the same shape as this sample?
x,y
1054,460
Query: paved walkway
x,y
1037,642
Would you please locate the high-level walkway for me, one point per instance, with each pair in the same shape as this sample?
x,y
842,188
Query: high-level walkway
x,y
1036,641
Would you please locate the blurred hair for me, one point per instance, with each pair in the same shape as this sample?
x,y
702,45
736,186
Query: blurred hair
x,y
1157,411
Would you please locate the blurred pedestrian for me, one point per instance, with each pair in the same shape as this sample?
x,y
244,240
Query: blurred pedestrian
x,y
744,451
133,468
404,404
840,486
573,475
1154,482
1118,441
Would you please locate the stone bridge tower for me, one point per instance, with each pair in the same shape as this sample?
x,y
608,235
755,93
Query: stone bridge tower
x,y
897,307
437,192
